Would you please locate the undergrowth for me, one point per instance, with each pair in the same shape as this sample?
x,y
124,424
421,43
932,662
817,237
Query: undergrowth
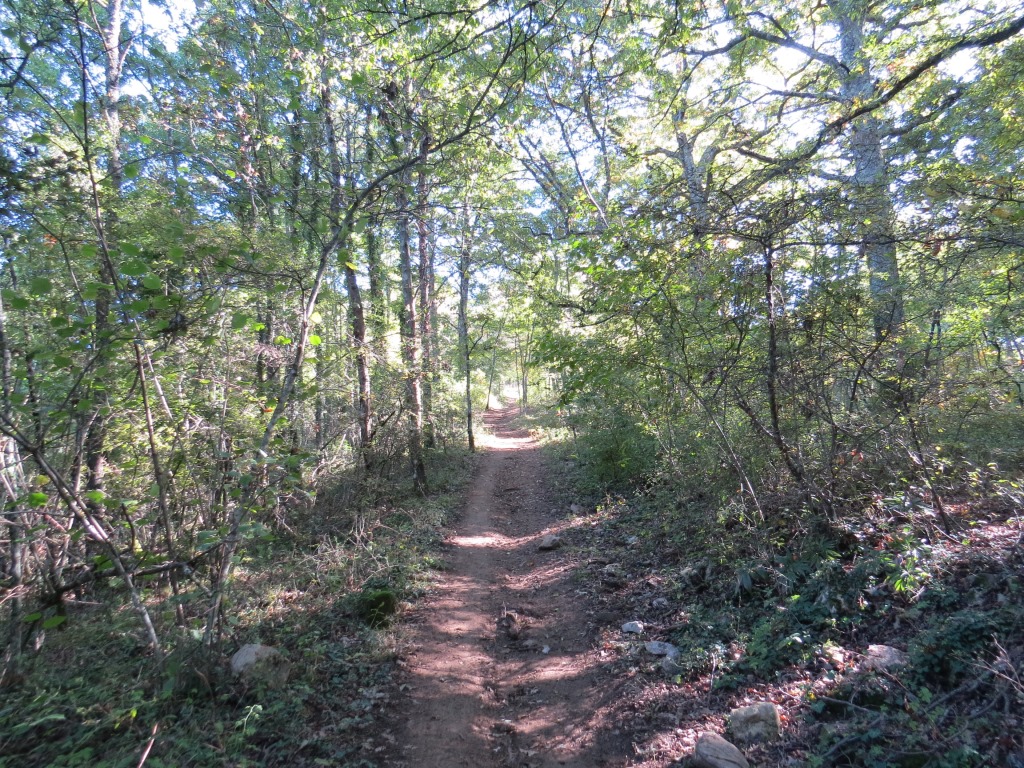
x,y
89,693
769,601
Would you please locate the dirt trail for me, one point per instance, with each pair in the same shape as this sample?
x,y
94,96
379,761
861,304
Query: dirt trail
x,y
502,671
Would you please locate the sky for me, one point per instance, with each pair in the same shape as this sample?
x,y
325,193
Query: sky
x,y
168,19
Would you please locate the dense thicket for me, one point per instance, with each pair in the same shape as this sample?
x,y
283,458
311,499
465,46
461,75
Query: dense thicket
x,y
772,253
792,248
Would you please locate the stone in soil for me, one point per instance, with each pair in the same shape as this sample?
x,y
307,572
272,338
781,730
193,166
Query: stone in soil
x,y
659,648
880,658
613,576
549,542
259,664
712,751
755,723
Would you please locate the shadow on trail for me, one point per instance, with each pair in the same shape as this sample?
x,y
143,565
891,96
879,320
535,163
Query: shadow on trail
x,y
502,671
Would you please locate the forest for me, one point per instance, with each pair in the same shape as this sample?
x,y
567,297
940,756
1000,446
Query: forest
x,y
753,273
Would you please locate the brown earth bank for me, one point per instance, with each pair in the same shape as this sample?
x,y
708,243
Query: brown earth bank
x,y
502,667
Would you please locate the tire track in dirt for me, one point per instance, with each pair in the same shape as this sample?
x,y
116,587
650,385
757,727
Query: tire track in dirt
x,y
501,670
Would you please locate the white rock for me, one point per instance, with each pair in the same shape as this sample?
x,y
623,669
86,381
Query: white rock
x,y
835,654
712,751
255,663
670,666
549,542
633,627
758,722
882,657
576,509
659,648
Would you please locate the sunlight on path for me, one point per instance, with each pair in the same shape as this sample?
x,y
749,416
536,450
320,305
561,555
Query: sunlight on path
x,y
501,672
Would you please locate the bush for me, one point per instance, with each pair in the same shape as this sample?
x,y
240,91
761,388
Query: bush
x,y
616,451
376,605
945,653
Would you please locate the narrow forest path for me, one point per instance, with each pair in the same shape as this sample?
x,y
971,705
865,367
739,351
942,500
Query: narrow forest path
x,y
501,670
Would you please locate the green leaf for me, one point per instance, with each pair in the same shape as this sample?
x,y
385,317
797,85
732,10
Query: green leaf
x,y
37,499
134,268
32,617
239,320
92,289
130,249
54,621
282,340
89,250
14,301
152,282
40,286
176,252
230,173
315,341
131,171
95,496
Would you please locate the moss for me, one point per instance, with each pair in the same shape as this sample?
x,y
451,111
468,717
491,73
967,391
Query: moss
x,y
376,606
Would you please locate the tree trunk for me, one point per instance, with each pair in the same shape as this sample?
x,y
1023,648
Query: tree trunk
x,y
365,406
355,301
408,322
377,316
409,329
464,351
494,360
115,51
426,286
295,152
873,209
10,490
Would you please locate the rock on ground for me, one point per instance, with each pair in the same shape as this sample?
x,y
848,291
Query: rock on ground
x,y
882,657
613,576
758,722
260,664
712,751
549,542
658,648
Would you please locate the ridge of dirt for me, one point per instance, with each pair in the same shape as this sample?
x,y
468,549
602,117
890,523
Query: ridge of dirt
x,y
502,667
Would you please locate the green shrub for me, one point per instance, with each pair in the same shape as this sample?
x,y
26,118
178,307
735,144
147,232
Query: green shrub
x,y
945,653
616,451
376,605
